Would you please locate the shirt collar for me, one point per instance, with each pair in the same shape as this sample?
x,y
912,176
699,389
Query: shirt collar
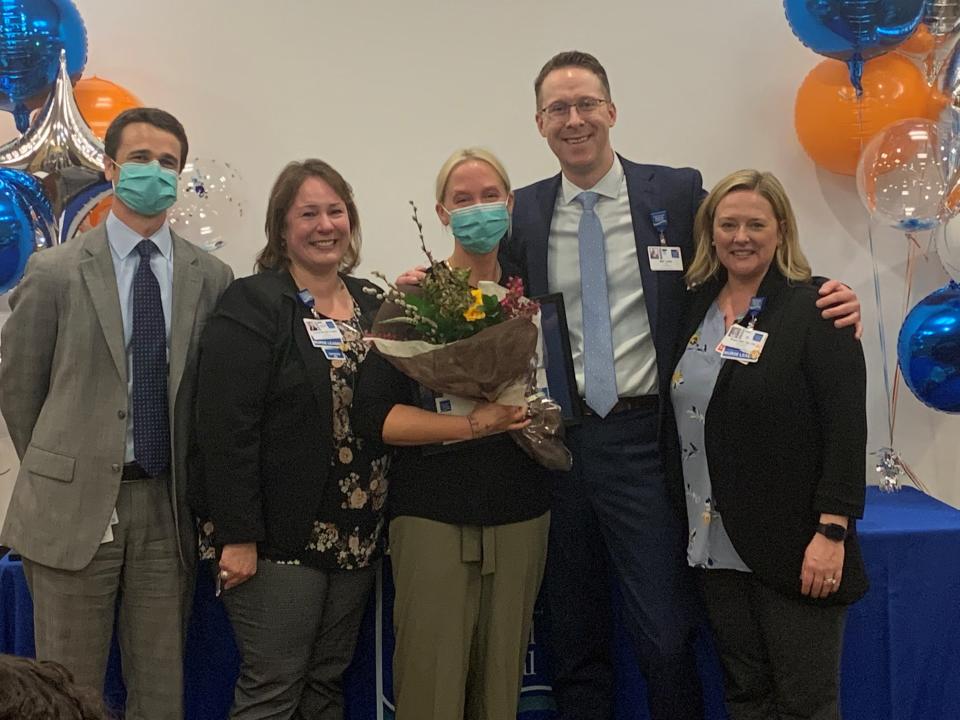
x,y
123,239
608,186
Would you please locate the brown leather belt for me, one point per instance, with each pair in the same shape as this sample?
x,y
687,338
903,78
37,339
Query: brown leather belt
x,y
650,403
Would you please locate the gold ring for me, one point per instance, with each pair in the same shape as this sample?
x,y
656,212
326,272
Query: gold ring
x,y
224,574
831,581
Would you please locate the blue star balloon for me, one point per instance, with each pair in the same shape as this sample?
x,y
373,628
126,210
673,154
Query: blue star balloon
x,y
32,34
928,349
853,30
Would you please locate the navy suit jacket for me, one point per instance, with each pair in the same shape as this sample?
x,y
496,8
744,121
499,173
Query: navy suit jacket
x,y
650,188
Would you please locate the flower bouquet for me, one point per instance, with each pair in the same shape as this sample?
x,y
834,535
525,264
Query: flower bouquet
x,y
474,343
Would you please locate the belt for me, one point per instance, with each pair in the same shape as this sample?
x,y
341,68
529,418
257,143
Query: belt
x,y
133,471
650,403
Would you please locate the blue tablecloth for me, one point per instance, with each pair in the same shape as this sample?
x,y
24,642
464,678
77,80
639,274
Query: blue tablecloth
x,y
901,657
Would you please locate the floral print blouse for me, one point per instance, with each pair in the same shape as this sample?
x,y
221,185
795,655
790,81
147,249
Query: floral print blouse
x,y
708,545
347,533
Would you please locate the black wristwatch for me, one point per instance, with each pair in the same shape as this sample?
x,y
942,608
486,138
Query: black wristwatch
x,y
832,531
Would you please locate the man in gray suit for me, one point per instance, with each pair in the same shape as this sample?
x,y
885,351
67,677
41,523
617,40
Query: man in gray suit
x,y
97,386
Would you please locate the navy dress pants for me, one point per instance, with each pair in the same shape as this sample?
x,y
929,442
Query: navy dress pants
x,y
613,521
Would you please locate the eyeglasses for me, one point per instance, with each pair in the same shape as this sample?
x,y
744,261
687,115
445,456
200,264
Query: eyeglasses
x,y
560,110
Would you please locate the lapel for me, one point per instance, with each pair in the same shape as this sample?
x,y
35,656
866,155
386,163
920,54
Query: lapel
x,y
368,304
644,198
187,285
316,365
100,277
539,242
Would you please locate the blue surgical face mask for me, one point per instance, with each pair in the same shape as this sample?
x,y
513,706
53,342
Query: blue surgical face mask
x,y
146,188
479,228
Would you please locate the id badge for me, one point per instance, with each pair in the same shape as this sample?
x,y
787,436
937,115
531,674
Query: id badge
x,y
108,533
664,257
323,333
742,344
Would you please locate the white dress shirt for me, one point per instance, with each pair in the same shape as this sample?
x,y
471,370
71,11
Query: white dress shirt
x,y
633,350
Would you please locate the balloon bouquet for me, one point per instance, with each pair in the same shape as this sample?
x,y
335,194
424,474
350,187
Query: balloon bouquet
x,y
51,182
896,126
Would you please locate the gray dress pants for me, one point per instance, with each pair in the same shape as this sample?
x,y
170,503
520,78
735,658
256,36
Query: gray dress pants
x,y
296,628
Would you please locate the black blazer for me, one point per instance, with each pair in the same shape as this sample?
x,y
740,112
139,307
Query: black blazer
x,y
785,437
265,409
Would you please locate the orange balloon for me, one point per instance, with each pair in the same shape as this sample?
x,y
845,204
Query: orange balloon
x,y
100,101
920,43
833,124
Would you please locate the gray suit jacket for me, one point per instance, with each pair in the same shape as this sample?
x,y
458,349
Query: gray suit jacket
x,y
63,394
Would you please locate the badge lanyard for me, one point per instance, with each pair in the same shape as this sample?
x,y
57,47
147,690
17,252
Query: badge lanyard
x,y
663,257
744,343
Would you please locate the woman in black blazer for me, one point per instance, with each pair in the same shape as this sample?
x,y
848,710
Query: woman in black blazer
x,y
292,498
770,447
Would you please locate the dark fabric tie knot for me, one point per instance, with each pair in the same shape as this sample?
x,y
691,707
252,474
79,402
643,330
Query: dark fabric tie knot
x,y
146,248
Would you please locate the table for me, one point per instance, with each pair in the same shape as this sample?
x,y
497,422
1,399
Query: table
x,y
901,657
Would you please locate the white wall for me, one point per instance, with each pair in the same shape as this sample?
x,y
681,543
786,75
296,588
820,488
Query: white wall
x,y
384,91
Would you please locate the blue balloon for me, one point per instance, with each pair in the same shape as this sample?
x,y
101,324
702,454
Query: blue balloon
x,y
17,237
853,30
928,349
37,202
32,34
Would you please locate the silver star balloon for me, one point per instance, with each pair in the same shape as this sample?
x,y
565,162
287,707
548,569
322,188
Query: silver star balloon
x,y
59,147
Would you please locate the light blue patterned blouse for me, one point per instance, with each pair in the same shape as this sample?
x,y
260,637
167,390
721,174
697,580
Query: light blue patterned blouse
x,y
708,545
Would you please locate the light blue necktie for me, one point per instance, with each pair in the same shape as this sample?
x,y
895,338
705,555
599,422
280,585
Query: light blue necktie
x,y
600,379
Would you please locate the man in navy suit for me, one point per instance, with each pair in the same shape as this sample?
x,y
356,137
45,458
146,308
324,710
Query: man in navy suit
x,y
614,516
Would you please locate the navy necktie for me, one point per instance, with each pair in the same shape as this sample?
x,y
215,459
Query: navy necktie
x,y
151,426
600,379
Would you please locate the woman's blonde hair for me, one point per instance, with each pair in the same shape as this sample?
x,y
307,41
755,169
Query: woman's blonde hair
x,y
789,257
461,156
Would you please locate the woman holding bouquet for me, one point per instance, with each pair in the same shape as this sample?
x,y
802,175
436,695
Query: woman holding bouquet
x,y
293,499
468,533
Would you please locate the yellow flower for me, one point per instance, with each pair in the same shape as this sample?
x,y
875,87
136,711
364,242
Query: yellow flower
x,y
475,311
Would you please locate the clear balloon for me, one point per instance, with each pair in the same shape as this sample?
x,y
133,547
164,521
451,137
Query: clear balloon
x,y
853,30
928,349
902,176
211,204
32,35
947,242
17,236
